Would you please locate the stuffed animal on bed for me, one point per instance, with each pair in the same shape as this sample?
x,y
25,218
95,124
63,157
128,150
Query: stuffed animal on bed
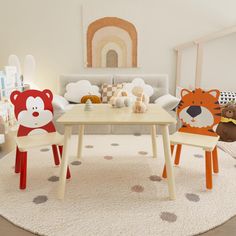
x,y
227,127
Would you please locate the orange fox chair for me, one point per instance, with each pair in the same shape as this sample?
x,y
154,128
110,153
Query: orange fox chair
x,y
199,112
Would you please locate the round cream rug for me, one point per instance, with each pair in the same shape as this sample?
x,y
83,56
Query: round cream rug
x,y
116,189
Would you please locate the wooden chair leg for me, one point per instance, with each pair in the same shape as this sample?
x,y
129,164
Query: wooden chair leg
x,y
215,160
68,175
55,155
23,169
208,170
17,161
164,173
177,155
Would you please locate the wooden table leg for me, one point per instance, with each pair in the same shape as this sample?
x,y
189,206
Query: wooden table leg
x,y
154,143
169,168
80,141
64,162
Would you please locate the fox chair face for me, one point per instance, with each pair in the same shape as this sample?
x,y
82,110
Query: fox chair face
x,y
199,111
33,111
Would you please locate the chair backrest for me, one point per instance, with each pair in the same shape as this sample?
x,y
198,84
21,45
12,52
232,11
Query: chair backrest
x,y
199,111
33,111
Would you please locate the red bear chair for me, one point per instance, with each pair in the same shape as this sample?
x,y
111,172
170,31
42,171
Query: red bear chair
x,y
34,113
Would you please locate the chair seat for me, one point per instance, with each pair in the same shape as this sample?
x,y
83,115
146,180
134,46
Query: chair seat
x,y
207,143
32,141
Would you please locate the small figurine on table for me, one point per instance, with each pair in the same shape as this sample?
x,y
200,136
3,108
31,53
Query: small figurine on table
x,y
88,105
142,100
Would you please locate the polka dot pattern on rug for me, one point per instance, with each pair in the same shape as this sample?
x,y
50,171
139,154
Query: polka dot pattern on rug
x,y
155,178
76,163
40,199
114,144
192,197
198,155
142,153
168,216
53,178
137,188
44,149
108,158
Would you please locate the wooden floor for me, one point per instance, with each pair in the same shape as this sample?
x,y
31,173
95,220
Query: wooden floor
x,y
9,229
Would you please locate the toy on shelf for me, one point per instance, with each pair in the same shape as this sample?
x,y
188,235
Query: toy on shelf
x,y
227,126
142,100
7,114
9,81
12,77
120,99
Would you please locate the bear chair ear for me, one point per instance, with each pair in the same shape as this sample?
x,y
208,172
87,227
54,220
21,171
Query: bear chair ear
x,y
48,94
14,96
215,93
184,92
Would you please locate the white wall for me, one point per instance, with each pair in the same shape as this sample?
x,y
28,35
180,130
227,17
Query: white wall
x,y
219,65
51,30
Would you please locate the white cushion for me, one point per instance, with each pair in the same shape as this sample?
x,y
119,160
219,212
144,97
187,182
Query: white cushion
x,y
168,102
59,102
138,82
75,91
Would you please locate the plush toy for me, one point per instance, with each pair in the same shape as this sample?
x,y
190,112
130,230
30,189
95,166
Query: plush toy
x,y
91,97
120,99
227,127
140,105
33,111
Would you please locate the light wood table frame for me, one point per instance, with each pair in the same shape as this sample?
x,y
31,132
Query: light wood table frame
x,y
103,114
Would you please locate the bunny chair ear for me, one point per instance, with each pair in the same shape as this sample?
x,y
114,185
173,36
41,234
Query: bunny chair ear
x,y
13,60
29,69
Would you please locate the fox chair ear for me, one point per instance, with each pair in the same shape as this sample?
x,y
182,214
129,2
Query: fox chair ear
x,y
184,92
215,93
48,94
14,96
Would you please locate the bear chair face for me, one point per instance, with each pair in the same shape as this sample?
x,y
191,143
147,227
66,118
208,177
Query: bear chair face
x,y
33,108
199,109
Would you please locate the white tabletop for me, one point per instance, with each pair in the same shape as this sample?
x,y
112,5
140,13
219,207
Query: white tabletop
x,y
105,114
